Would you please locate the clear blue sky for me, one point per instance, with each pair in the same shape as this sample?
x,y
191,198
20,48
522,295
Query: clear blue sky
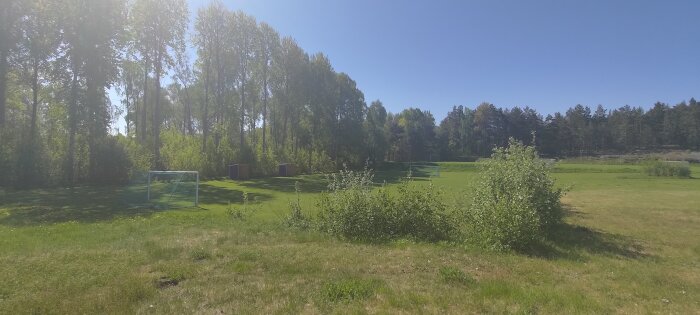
x,y
549,55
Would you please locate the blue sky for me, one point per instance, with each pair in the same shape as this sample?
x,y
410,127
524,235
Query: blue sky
x,y
548,55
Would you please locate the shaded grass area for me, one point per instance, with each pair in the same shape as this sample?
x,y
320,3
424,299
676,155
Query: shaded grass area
x,y
629,245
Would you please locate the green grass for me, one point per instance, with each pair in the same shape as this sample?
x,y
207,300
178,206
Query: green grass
x,y
630,245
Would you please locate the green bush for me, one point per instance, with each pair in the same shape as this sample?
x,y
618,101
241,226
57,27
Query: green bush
x,y
515,203
667,168
352,209
420,213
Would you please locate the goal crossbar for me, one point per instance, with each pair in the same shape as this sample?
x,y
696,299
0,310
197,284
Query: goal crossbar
x,y
196,194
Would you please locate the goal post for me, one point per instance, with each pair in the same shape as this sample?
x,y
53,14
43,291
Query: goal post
x,y
177,187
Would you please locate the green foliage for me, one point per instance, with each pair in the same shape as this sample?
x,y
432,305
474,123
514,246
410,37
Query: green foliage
x,y
412,135
667,168
112,164
421,213
515,203
139,156
184,152
352,209
181,152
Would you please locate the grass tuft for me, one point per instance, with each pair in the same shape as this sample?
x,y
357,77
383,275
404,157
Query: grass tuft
x,y
350,289
453,275
200,254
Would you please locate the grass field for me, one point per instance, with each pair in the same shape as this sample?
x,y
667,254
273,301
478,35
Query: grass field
x,y
631,245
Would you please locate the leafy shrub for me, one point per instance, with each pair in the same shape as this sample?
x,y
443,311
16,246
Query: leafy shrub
x,y
515,203
668,168
419,212
354,210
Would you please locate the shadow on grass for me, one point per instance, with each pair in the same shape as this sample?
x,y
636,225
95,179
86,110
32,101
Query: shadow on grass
x,y
394,172
209,194
319,183
569,241
81,204
572,241
89,204
308,183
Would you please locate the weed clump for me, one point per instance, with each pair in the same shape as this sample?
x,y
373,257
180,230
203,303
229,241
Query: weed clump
x,y
296,217
515,203
243,211
667,168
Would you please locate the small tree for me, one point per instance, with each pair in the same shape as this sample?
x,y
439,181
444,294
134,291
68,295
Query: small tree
x,y
516,202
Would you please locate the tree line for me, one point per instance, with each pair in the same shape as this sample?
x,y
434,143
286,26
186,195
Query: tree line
x,y
248,95
580,131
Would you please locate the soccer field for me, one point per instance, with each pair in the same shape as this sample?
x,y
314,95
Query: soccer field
x,y
631,244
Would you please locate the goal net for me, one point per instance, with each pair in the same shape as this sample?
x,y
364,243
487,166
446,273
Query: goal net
x,y
168,189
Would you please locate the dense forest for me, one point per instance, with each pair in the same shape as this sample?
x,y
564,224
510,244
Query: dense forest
x,y
198,95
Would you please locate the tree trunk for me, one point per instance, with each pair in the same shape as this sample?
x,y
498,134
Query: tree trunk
x,y
73,127
251,130
93,117
242,138
127,120
29,163
205,118
188,112
143,116
285,116
219,98
3,85
156,117
264,115
35,104
274,133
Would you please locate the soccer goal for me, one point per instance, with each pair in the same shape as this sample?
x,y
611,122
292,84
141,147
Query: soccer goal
x,y
173,188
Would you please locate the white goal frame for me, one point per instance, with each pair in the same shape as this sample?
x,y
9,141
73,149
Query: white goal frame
x,y
196,194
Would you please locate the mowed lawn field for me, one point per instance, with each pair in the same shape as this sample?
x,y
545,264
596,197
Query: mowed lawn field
x,y
631,245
